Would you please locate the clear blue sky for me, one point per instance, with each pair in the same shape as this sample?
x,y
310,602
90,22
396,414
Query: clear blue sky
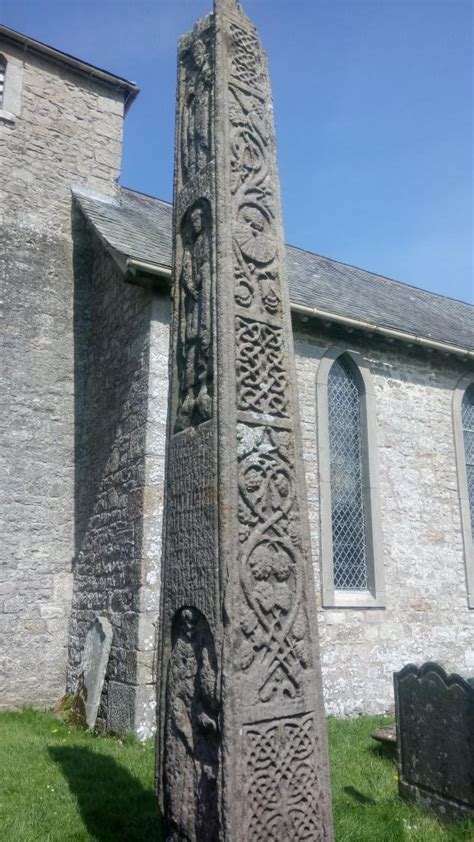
x,y
373,103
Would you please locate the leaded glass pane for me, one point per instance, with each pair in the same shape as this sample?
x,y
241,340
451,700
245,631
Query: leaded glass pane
x,y
3,67
468,427
348,520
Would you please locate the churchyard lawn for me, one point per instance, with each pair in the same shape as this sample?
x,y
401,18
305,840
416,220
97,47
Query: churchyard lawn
x,y
58,783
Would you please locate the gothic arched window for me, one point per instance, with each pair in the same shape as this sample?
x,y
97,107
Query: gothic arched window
x,y
3,70
349,546
468,434
351,536
463,420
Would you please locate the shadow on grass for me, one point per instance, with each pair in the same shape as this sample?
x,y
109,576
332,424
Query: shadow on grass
x,y
359,796
113,804
384,753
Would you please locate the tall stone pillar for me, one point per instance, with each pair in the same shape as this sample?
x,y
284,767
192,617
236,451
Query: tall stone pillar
x,y
242,752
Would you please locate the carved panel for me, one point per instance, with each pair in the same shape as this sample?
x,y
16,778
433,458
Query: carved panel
x,y
196,114
262,384
194,341
191,521
257,278
191,731
282,781
273,622
246,66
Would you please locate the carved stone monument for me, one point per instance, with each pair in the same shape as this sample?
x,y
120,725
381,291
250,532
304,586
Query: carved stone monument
x,y
435,729
242,751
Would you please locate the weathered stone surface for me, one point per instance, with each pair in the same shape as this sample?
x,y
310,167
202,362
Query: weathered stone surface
x,y
420,517
52,144
435,727
242,749
94,664
386,736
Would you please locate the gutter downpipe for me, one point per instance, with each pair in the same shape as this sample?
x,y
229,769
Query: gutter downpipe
x,y
149,268
384,331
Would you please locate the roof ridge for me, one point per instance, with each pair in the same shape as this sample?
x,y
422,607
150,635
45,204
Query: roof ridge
x,y
402,284
148,195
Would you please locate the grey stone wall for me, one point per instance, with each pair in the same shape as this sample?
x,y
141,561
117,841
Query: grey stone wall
x,y
426,614
66,129
119,464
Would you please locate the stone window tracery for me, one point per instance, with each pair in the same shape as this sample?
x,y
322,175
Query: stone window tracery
x,y
468,433
463,422
352,568
348,515
3,70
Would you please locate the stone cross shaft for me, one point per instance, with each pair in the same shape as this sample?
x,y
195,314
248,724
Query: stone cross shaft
x,y
242,752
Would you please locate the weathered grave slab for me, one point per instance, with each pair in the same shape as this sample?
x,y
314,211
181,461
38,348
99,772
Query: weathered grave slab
x,y
242,751
94,665
435,728
386,737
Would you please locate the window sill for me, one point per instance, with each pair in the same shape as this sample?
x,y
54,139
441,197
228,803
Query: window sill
x,y
7,116
353,599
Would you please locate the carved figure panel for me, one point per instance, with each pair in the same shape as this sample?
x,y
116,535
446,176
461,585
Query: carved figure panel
x,y
262,384
196,123
194,346
191,732
273,622
282,781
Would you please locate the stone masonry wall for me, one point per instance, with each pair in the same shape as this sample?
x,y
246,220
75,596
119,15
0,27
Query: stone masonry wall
x,y
67,130
119,465
110,477
426,614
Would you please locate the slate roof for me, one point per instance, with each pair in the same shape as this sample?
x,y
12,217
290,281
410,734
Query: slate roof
x,y
138,226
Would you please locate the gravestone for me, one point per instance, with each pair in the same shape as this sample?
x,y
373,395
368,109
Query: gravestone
x,y
242,751
435,732
386,737
94,664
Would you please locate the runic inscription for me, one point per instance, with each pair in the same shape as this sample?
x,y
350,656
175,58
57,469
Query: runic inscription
x,y
190,519
282,782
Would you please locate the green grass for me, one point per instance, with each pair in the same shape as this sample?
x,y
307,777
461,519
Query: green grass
x,y
60,783
365,792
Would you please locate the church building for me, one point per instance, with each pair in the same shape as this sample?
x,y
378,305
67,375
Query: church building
x,y
386,396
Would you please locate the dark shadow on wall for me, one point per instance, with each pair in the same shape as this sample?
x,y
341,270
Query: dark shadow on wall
x,y
111,321
113,804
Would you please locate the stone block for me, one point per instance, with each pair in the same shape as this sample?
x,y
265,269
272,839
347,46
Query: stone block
x,y
94,665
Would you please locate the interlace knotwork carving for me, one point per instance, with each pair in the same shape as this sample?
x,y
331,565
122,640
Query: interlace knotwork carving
x,y
262,384
273,621
282,781
196,115
191,732
246,66
194,346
